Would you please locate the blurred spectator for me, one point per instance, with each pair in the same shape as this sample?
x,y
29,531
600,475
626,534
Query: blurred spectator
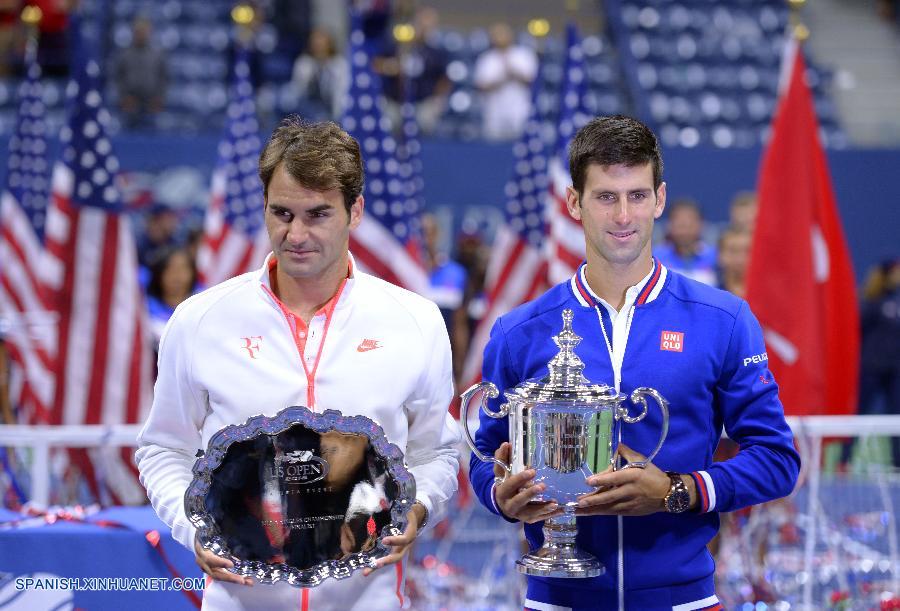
x,y
887,9
504,74
141,76
879,383
473,254
733,260
322,76
375,17
417,71
447,284
292,20
9,30
53,41
6,409
160,235
173,278
743,211
684,251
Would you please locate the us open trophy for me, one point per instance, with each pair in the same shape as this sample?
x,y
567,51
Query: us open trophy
x,y
300,496
567,429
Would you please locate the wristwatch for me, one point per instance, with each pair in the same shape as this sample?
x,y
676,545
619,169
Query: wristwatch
x,y
678,500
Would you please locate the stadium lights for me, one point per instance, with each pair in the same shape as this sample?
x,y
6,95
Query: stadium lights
x,y
404,32
538,27
242,14
32,15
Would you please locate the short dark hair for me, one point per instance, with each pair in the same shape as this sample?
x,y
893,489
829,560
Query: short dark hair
x,y
685,203
320,156
612,141
161,262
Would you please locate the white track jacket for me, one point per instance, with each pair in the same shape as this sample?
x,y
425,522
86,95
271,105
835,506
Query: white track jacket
x,y
229,353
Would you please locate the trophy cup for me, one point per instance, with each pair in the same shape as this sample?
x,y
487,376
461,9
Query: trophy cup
x,y
300,496
566,429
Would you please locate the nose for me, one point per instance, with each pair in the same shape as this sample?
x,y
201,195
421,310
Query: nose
x,y
297,231
621,214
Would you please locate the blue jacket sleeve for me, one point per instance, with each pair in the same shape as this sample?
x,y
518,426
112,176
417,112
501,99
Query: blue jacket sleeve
x,y
767,464
492,432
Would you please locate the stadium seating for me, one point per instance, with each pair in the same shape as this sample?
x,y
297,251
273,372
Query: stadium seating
x,y
703,72
707,72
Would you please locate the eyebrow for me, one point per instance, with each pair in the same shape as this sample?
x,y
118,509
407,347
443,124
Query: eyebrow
x,y
320,208
596,192
315,209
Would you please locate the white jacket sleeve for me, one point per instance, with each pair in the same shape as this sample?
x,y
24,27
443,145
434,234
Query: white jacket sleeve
x,y
431,453
168,443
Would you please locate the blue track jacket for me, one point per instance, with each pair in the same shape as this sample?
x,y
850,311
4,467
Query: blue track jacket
x,y
716,377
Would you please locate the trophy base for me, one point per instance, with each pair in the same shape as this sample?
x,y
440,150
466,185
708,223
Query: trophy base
x,y
552,561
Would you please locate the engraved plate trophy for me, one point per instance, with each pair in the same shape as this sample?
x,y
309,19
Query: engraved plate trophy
x,y
300,496
566,429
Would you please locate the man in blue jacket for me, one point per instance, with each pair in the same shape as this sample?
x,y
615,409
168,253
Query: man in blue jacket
x,y
642,325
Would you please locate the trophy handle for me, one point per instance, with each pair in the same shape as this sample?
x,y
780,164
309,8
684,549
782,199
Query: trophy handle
x,y
490,391
638,397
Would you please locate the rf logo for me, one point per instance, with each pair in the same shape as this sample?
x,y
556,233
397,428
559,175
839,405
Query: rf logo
x,y
673,341
251,345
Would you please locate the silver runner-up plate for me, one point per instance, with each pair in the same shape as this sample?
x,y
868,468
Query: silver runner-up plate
x,y
300,496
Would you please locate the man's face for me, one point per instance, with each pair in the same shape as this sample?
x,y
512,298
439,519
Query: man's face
x,y
617,210
309,230
685,226
734,253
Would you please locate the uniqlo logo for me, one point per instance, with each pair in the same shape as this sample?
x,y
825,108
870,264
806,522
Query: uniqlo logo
x,y
673,341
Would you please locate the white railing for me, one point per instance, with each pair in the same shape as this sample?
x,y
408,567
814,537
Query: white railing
x,y
40,438
809,432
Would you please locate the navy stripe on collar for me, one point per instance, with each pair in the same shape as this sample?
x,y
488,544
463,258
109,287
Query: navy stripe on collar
x,y
588,298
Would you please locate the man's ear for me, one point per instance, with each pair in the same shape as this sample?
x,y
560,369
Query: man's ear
x,y
356,212
573,204
660,200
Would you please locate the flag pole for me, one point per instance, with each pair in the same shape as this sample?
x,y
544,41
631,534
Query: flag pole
x,y
243,15
31,16
799,31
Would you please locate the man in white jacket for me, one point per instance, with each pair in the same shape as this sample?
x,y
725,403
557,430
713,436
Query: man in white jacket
x,y
308,328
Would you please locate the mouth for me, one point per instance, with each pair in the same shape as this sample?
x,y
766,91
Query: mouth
x,y
622,235
298,252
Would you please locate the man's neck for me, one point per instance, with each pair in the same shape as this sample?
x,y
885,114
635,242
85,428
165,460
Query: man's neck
x,y
610,281
306,296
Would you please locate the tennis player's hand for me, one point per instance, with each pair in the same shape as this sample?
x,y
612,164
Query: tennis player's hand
x,y
626,492
217,567
400,544
515,495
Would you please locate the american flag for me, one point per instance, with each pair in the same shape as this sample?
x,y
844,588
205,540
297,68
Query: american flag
x,y
517,269
565,241
104,358
26,324
235,238
410,171
384,242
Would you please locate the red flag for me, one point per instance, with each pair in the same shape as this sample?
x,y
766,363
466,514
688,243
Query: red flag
x,y
800,283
